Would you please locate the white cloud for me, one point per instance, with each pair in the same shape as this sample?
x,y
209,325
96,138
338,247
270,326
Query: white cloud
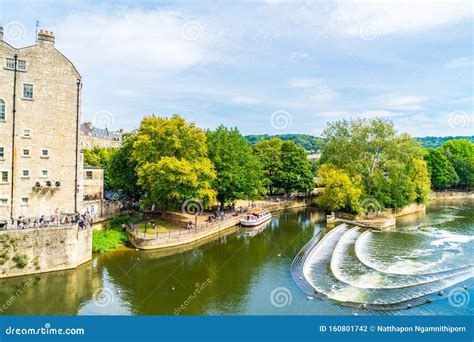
x,y
396,16
465,62
335,115
405,103
314,89
131,41
246,100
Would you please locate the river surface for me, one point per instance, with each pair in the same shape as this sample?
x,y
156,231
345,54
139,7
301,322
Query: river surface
x,y
247,271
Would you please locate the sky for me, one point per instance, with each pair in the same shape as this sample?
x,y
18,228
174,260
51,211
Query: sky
x,y
264,66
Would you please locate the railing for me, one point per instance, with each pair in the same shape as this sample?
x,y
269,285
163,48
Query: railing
x,y
220,222
61,221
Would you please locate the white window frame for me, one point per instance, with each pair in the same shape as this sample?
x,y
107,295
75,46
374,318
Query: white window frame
x,y
32,91
10,60
3,202
23,174
42,175
26,136
44,156
23,202
2,155
87,175
23,155
20,62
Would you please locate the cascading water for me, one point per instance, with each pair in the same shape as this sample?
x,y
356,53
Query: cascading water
x,y
390,269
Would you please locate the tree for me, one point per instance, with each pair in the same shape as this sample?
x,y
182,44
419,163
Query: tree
x,y
122,173
296,169
172,162
340,193
465,171
441,171
384,160
268,152
286,166
239,172
457,149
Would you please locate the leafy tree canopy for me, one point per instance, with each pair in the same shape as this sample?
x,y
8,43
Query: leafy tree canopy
x,y
384,160
239,172
172,162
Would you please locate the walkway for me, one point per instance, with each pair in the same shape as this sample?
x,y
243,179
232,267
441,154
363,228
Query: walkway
x,y
142,240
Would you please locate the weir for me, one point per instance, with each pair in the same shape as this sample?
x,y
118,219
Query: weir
x,y
329,268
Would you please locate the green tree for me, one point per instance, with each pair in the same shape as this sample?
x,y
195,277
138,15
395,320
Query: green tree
x,y
465,171
239,172
457,149
268,153
340,193
296,169
441,171
122,169
384,160
172,162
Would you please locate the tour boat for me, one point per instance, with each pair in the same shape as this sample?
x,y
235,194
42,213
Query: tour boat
x,y
255,217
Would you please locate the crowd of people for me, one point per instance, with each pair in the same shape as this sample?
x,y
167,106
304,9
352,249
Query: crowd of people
x,y
55,220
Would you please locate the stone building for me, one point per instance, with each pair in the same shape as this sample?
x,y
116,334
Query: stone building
x,y
99,137
40,93
92,190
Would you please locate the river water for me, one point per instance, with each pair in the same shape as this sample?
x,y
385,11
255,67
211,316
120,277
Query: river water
x,y
248,271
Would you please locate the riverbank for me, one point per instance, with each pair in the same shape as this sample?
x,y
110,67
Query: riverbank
x,y
441,195
142,240
383,220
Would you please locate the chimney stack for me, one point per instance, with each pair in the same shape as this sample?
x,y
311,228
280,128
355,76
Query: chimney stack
x,y
45,38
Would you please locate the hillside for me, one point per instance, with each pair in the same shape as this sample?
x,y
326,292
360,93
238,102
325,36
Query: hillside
x,y
313,143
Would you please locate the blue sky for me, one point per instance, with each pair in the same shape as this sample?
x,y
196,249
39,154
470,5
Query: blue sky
x,y
264,66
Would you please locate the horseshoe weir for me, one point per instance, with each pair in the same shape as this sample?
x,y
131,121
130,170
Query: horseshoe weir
x,y
247,271
422,261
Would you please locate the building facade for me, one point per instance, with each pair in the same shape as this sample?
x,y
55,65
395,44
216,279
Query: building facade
x,y
40,93
99,137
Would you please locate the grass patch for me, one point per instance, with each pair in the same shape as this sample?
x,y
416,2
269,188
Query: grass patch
x,y
112,237
104,240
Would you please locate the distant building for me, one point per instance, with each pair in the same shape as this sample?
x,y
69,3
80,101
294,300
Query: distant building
x,y
316,155
40,99
99,137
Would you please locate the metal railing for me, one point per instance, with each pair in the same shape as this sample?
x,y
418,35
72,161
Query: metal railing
x,y
220,222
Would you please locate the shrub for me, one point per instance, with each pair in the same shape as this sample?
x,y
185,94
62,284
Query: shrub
x,y
20,260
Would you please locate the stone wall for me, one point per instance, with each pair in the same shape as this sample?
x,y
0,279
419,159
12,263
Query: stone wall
x,y
40,250
451,194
